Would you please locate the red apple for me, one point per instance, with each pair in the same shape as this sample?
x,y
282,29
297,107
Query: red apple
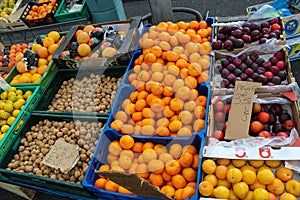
x,y
220,117
219,106
289,124
218,134
284,134
263,117
265,134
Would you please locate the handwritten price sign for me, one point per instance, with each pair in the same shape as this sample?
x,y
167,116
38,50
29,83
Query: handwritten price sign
x,y
240,110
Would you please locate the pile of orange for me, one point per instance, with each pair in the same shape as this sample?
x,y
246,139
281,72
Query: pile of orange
x,y
44,52
173,169
253,179
38,12
174,61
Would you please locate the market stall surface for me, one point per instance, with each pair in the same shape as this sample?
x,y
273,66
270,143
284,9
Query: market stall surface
x,y
141,7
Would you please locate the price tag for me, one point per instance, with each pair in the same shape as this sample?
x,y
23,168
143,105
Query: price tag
x,y
240,110
3,84
62,156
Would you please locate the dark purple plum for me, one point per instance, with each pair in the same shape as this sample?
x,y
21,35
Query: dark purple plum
x,y
267,65
232,38
279,55
255,33
283,117
248,62
276,109
270,84
250,80
244,76
272,35
247,38
231,67
225,30
262,40
219,67
265,31
264,108
261,78
276,80
267,127
228,44
237,72
259,61
234,27
243,67
254,26
217,45
246,30
243,57
260,70
230,58
277,127
253,56
222,37
238,78
225,62
264,25
225,73
274,70
238,43
254,66
282,75
237,33
231,78
273,60
237,62
254,76
249,71
278,33
246,24
280,64
225,83
272,119
273,21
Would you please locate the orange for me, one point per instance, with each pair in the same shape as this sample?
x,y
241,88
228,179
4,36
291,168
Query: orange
x,y
126,142
200,112
150,58
172,167
168,190
178,181
186,159
148,145
21,67
172,56
122,116
127,129
165,157
137,147
202,24
188,192
149,154
194,69
142,170
156,179
189,174
42,69
176,104
100,183
88,28
175,150
54,35
125,162
48,41
147,130
52,48
84,50
111,186
159,148
83,37
115,148
116,124
162,131
203,77
183,93
203,33
42,52
123,190
156,166
191,82
182,25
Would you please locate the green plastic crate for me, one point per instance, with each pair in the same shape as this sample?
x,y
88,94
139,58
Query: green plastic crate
x,y
39,182
44,81
66,74
17,125
63,17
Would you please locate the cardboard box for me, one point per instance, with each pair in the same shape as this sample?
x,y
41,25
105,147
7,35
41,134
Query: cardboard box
x,y
121,58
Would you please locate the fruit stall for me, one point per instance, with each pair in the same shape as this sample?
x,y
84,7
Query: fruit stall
x,y
121,109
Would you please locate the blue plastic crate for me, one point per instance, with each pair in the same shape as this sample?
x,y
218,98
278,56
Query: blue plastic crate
x,y
101,152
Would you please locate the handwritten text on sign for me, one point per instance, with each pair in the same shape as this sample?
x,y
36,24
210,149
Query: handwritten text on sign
x,y
62,155
240,110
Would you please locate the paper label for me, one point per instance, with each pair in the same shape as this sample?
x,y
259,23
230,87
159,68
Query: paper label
x,y
62,156
240,110
135,184
3,84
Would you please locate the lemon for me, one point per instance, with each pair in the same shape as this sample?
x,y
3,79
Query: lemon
x,y
20,97
16,112
2,103
10,120
11,93
27,94
9,101
17,105
13,98
2,122
4,95
19,92
5,128
8,107
2,136
12,89
4,115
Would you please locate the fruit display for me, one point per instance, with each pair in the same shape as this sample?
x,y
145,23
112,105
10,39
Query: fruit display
x,y
40,138
94,93
12,55
6,8
173,168
236,36
36,60
40,11
11,103
168,100
95,41
269,70
267,120
252,179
